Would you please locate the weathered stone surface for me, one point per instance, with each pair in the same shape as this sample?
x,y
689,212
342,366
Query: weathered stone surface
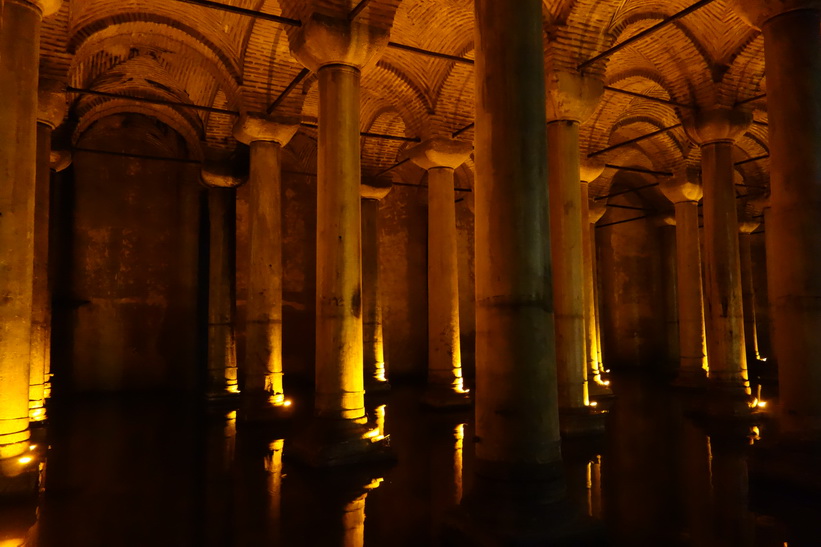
x,y
440,152
256,126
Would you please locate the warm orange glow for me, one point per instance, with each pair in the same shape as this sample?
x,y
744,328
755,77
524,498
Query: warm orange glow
x,y
761,404
16,542
593,403
37,414
459,435
25,459
32,447
286,402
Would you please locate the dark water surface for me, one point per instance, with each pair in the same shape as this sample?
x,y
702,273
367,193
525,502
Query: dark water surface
x,y
163,472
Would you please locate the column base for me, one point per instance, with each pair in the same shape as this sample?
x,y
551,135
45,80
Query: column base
x,y
222,397
599,391
445,398
377,386
262,410
500,513
725,402
19,478
331,443
581,422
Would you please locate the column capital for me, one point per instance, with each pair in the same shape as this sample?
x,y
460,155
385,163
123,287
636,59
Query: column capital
x,y
720,124
684,186
326,40
440,152
375,189
59,160
590,169
665,219
51,103
257,126
571,96
219,170
747,225
46,7
756,13
596,208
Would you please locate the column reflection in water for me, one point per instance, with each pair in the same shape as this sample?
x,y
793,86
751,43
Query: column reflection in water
x,y
258,508
219,456
734,524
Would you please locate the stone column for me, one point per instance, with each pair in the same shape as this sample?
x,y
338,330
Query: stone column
x,y
570,99
716,132
19,52
596,210
336,49
374,350
222,286
263,395
747,226
518,447
51,111
667,236
440,157
588,172
792,52
685,190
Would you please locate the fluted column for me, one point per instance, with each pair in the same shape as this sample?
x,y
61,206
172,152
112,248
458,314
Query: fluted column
x,y
374,349
570,100
336,49
716,132
51,111
19,51
222,287
263,394
684,191
746,227
440,157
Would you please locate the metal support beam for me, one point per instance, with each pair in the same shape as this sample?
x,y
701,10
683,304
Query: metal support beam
x,y
162,102
632,141
639,170
358,9
369,134
749,160
458,132
625,221
435,54
628,191
646,32
243,11
647,97
287,91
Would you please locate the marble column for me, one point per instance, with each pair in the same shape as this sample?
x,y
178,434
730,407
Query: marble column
x,y
440,156
588,172
570,100
222,286
684,191
52,109
518,474
336,50
716,132
376,379
792,53
263,394
747,226
19,52
667,236
596,210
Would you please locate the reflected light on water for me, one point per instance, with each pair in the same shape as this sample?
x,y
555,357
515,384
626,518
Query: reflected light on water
x,y
459,435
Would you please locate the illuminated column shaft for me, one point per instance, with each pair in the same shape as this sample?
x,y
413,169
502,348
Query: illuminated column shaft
x,y
374,351
685,194
40,354
792,52
19,51
222,344
747,289
716,132
517,419
263,390
589,219
725,345
568,261
441,156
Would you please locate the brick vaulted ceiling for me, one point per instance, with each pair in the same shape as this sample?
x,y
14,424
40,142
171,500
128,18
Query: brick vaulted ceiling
x,y
179,52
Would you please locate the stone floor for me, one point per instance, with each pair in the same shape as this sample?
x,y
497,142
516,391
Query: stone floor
x,y
163,472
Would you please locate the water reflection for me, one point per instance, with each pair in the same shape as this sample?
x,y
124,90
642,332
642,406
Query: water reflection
x,y
162,472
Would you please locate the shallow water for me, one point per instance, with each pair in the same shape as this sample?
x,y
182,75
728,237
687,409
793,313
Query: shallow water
x,y
137,471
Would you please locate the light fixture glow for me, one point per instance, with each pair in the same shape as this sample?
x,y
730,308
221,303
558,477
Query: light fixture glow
x,y
286,402
25,459
33,447
761,404
593,403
